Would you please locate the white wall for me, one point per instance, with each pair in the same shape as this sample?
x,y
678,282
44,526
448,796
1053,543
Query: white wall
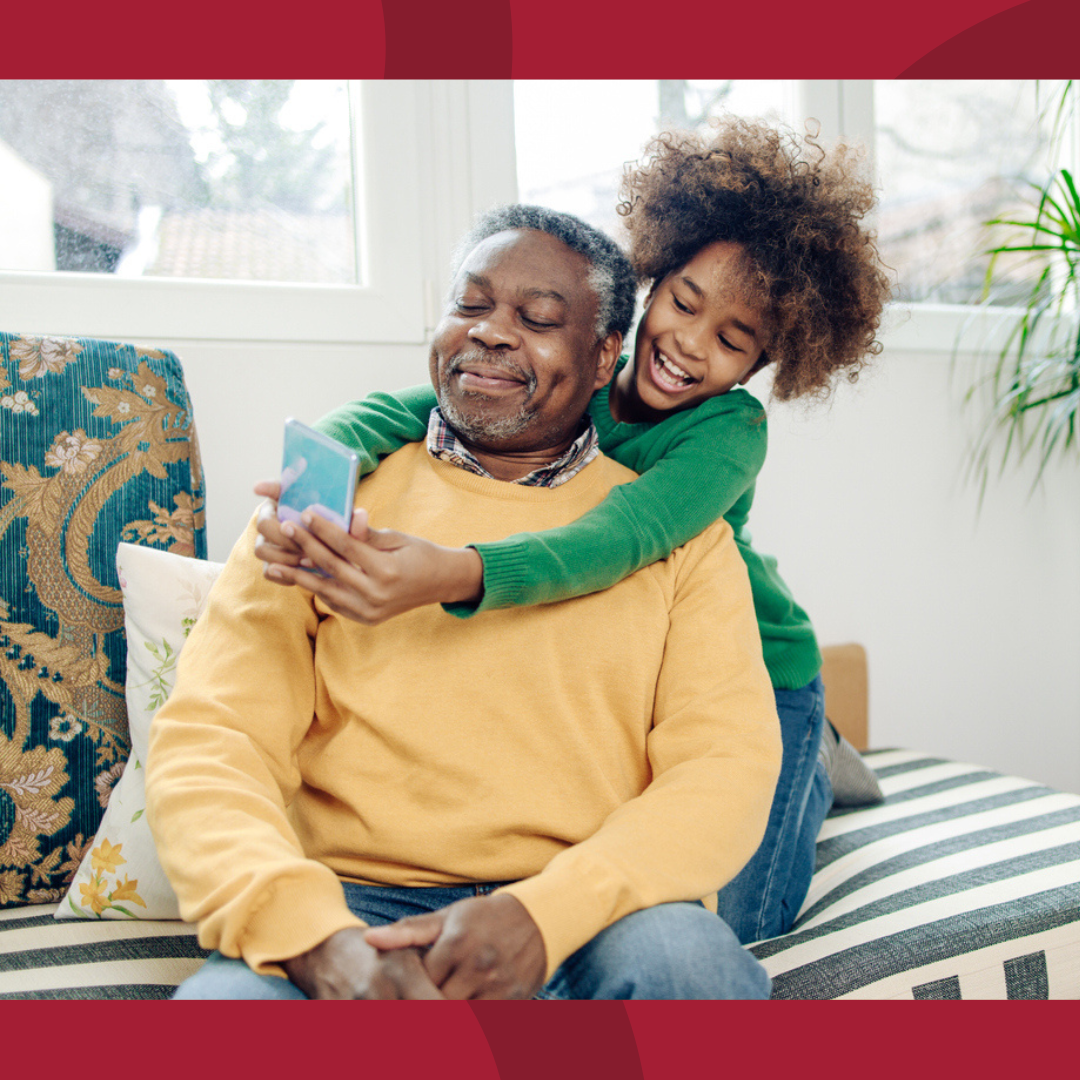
x,y
241,395
971,618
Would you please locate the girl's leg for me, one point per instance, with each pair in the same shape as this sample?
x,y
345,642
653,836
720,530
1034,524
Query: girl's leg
x,y
764,898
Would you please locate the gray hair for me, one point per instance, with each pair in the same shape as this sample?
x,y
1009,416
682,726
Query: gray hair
x,y
610,273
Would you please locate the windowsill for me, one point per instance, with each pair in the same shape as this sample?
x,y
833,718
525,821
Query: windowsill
x,y
99,305
942,328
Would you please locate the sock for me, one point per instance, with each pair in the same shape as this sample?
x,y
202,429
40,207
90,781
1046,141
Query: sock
x,y
853,781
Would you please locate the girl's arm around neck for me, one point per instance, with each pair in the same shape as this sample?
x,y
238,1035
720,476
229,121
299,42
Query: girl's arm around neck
x,y
695,471
694,468
381,423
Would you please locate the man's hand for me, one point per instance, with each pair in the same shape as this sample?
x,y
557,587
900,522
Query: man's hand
x,y
272,545
371,574
483,947
345,966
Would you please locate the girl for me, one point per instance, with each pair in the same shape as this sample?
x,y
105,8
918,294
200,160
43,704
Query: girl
x,y
752,246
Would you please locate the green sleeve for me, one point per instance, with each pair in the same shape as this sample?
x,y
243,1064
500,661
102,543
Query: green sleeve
x,y
380,423
689,479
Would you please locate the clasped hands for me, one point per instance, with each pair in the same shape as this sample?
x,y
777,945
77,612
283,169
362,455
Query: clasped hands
x,y
368,575
484,947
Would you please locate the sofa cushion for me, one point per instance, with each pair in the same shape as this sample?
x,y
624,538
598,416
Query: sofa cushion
x,y
43,958
97,445
964,883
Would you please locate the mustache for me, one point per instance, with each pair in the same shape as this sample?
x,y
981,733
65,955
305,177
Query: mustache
x,y
493,360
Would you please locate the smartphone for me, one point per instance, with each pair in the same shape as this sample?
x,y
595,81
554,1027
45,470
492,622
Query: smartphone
x,y
317,474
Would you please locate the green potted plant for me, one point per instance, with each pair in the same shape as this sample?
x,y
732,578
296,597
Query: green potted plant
x,y
1034,385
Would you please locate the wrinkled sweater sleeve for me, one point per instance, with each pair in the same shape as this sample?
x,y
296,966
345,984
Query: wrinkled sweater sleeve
x,y
222,769
714,754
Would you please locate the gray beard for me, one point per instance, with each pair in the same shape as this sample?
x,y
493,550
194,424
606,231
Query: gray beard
x,y
483,430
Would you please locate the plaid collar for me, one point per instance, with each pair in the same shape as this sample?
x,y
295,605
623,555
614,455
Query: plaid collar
x,y
443,443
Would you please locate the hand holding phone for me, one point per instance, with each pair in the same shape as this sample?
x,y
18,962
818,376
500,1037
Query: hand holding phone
x,y
317,474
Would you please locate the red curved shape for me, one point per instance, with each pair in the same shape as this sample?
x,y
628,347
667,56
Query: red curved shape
x,y
546,1041
448,41
1025,42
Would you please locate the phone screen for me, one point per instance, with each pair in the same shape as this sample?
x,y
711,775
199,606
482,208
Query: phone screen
x,y
317,474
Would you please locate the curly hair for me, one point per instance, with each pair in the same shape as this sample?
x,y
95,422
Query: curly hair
x,y
610,273
797,211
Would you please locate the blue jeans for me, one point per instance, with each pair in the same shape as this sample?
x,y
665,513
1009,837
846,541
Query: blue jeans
x,y
671,951
765,896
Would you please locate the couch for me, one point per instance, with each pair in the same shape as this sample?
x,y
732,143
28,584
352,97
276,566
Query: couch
x,y
963,883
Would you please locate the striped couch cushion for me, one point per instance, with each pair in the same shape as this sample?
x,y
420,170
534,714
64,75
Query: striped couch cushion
x,y
43,958
963,883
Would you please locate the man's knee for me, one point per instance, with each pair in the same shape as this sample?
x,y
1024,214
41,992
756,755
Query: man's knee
x,y
223,979
672,951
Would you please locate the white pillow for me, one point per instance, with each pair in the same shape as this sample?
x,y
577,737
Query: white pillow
x,y
120,876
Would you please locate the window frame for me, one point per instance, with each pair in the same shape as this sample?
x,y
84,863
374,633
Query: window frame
x,y
459,160
408,212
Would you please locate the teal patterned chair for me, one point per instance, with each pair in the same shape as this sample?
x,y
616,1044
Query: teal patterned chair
x,y
97,445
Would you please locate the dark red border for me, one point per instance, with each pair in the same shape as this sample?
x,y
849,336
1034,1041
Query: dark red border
x,y
527,39
546,1040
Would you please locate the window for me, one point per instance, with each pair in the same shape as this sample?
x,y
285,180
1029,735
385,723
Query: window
x,y
412,164
951,155
573,137
222,179
947,155
127,225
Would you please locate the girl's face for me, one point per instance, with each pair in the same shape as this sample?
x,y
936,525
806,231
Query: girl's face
x,y
699,336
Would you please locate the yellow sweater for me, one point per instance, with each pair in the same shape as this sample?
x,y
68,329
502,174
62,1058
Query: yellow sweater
x,y
605,754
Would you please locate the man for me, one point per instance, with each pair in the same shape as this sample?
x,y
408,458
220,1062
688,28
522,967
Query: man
x,y
534,800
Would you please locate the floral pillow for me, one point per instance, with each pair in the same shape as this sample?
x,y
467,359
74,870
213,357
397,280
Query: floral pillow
x,y
120,876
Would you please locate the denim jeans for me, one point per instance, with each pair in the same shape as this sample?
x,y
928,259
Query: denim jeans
x,y
671,951
765,896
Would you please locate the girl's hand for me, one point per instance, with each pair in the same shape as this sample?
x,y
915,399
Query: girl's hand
x,y
372,574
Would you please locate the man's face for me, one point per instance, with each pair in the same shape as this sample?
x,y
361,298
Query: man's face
x,y
516,356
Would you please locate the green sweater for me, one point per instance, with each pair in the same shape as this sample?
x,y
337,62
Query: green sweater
x,y
696,466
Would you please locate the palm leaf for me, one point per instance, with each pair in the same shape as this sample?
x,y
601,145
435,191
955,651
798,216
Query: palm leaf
x,y
1032,390
1034,384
